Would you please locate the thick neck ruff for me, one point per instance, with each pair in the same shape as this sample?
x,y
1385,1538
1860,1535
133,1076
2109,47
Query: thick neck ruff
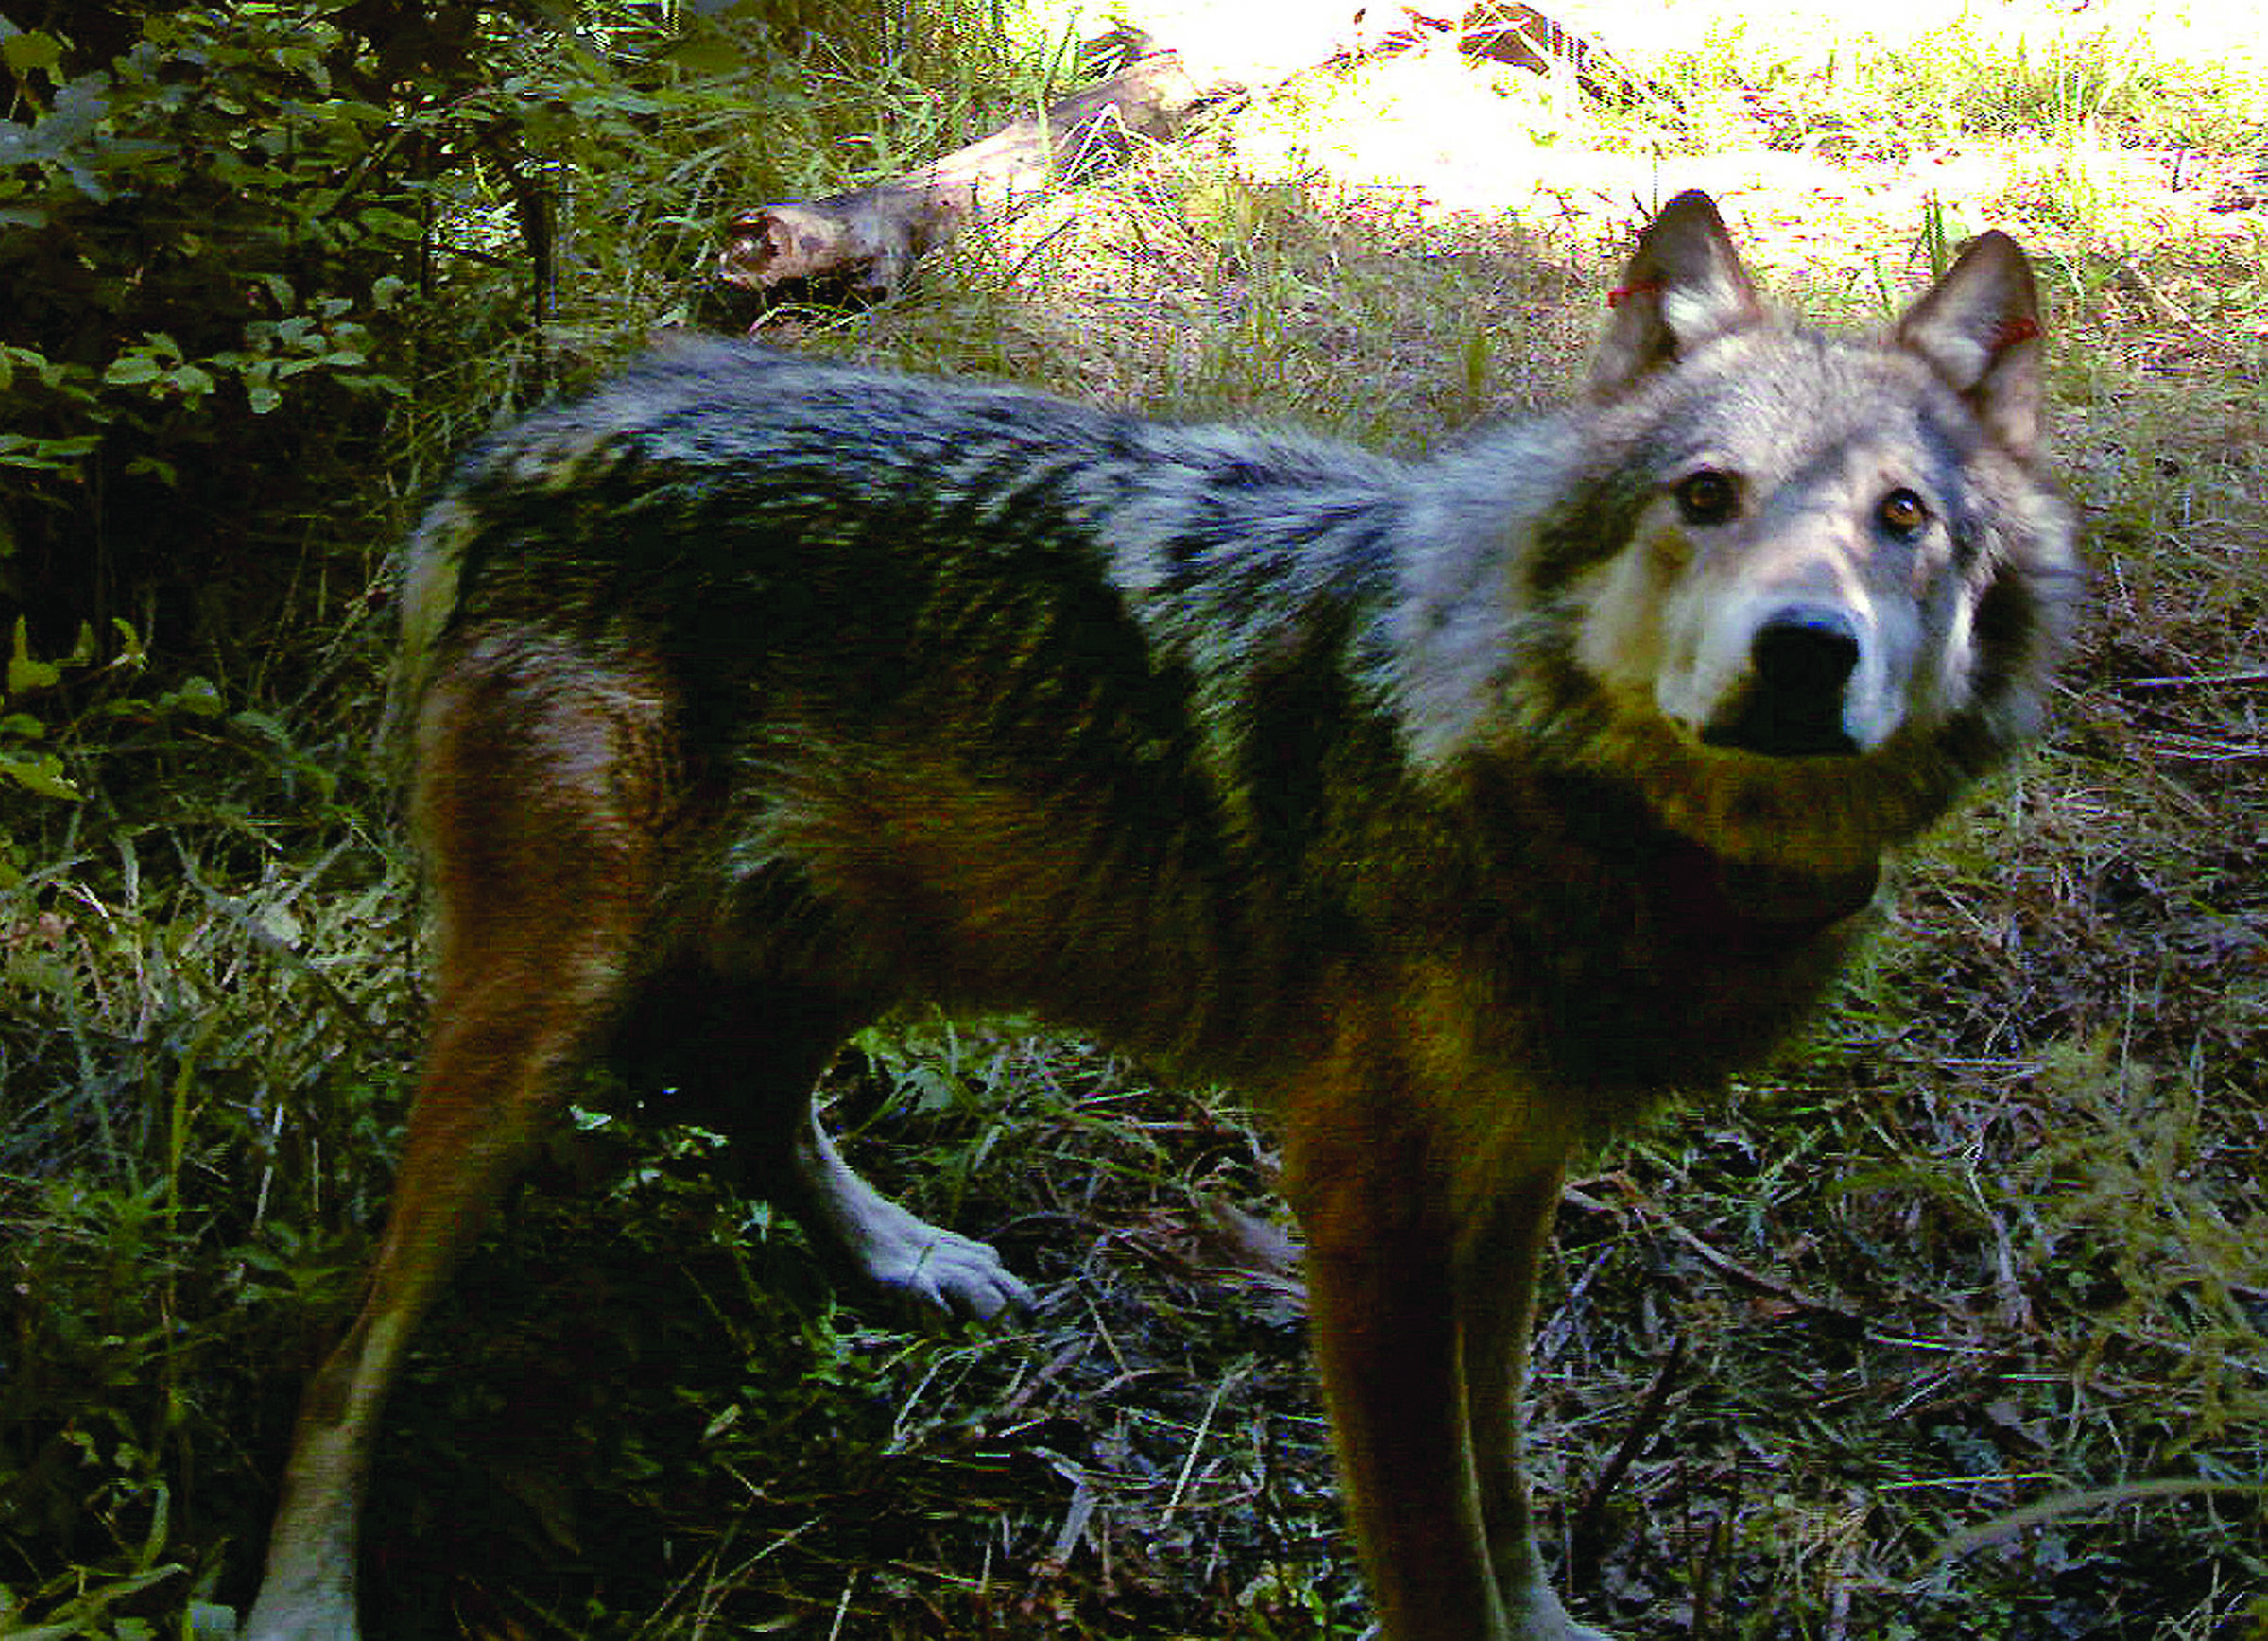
x,y
1793,900
1746,907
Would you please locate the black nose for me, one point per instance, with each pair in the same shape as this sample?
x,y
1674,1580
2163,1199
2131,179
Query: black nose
x,y
1806,652
1800,657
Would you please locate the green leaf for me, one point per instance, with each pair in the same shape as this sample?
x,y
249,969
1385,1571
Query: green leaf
x,y
43,775
198,697
705,54
134,371
25,674
24,52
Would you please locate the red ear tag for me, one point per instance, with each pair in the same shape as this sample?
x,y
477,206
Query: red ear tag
x,y
2010,332
1623,293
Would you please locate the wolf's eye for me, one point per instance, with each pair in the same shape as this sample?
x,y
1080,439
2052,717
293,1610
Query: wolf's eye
x,y
1902,513
1708,498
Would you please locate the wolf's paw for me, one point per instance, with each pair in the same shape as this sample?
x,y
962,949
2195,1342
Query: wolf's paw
x,y
943,1270
298,1605
924,1266
1541,1617
896,1252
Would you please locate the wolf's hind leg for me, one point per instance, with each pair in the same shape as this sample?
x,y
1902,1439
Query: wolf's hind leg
x,y
897,1252
748,1055
540,875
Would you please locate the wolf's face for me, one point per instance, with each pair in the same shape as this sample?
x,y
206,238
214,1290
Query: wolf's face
x,y
1803,579
1834,581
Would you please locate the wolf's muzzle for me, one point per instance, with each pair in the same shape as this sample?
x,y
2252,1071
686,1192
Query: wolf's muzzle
x,y
1800,657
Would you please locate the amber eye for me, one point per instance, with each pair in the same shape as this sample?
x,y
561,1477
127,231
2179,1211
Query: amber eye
x,y
1708,498
1902,513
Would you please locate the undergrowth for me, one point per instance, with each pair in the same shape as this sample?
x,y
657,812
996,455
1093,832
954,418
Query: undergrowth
x,y
1955,1324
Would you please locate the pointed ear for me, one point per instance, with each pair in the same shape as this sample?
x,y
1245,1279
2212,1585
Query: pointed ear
x,y
1685,283
1978,326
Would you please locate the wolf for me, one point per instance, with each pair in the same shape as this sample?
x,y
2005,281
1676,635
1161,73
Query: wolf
x,y
1450,807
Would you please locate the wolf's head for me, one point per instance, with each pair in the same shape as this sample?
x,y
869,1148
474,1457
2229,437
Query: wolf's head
x,y
1802,588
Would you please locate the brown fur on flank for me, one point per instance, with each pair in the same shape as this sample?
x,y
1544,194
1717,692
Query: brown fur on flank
x,y
1451,807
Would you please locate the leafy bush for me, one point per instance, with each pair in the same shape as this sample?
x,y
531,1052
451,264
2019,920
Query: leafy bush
x,y
203,237
221,227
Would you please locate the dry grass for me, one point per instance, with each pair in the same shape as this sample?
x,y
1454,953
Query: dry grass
x,y
1956,1324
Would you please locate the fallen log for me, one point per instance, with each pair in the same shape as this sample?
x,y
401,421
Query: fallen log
x,y
865,242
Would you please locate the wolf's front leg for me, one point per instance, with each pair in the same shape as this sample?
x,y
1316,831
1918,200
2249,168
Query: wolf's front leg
x,y
1496,1311
1381,1298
